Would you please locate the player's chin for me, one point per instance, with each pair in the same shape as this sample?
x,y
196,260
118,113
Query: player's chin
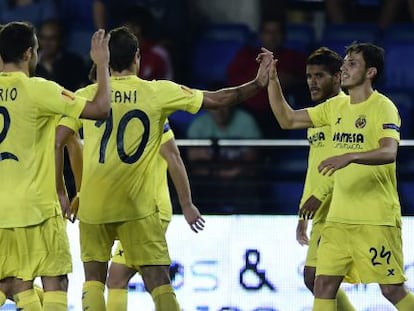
x,y
316,97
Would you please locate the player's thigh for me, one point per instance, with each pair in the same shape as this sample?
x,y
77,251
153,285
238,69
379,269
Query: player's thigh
x,y
40,250
334,251
378,253
118,255
144,242
96,241
312,253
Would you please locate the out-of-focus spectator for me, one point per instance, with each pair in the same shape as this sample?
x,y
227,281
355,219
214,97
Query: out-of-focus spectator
x,y
170,29
155,59
224,178
77,15
170,15
33,11
67,69
291,72
382,12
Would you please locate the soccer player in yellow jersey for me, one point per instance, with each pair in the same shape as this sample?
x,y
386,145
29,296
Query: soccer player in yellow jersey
x,y
169,157
363,225
323,72
119,188
33,241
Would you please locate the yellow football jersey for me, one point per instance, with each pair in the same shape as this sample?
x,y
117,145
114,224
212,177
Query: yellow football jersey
x,y
29,109
120,154
320,148
362,194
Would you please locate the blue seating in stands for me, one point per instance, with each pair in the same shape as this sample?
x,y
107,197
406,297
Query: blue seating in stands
x,y
399,71
210,61
405,104
300,37
286,196
79,42
337,37
181,120
403,32
406,189
227,32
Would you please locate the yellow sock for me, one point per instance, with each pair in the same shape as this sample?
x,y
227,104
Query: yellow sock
x,y
164,298
39,291
55,301
324,304
407,303
342,301
93,296
2,298
27,301
117,300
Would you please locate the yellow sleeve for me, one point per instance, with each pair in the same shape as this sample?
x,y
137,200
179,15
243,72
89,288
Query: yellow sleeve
x,y
324,189
167,133
389,121
172,97
53,98
73,124
320,114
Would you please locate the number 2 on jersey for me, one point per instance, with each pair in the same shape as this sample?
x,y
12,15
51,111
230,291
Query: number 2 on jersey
x,y
109,124
3,133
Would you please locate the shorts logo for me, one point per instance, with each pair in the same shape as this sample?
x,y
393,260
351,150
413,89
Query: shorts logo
x,y
361,122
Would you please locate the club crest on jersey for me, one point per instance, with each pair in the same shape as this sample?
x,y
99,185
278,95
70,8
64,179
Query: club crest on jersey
x,y
361,122
68,94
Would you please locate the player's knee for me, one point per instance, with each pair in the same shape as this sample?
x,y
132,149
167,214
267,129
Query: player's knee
x,y
393,292
326,287
116,282
155,276
309,282
55,283
309,277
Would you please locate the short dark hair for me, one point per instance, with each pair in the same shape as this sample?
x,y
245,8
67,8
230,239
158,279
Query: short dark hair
x,y
373,56
123,45
15,39
327,58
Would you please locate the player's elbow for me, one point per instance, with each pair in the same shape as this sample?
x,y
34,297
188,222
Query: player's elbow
x,y
104,111
59,144
391,157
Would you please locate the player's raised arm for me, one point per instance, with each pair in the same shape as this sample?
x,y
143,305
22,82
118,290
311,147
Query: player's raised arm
x,y
169,151
287,117
234,95
100,106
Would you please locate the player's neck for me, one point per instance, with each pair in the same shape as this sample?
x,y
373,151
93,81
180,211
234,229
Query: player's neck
x,y
11,67
360,93
122,73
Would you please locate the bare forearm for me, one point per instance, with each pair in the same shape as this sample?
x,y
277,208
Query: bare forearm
x,y
59,158
280,107
76,160
179,177
100,106
374,157
230,96
287,117
103,92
